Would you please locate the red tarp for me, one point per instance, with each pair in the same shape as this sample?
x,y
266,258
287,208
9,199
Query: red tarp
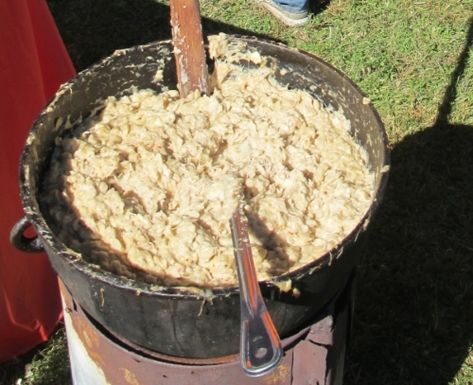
x,y
33,63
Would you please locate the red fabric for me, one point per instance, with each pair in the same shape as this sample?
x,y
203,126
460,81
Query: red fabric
x,y
33,63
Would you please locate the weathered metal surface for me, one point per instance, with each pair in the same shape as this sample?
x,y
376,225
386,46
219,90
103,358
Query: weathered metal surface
x,y
84,370
319,358
97,358
310,361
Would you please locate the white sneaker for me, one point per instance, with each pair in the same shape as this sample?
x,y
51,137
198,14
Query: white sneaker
x,y
292,19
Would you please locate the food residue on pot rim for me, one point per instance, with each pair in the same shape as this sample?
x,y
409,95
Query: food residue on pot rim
x,y
149,186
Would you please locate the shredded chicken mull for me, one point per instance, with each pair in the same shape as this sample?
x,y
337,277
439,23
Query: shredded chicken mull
x,y
149,186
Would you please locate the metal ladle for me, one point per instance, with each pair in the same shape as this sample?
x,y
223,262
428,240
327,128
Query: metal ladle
x,y
260,346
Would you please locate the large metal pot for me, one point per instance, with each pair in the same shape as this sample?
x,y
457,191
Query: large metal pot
x,y
167,320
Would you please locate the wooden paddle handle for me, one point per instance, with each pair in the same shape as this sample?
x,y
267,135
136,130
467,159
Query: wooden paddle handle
x,y
189,52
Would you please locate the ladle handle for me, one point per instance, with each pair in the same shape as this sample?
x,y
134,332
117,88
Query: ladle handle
x,y
260,346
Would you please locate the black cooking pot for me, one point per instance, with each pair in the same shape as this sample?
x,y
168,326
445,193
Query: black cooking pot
x,y
167,320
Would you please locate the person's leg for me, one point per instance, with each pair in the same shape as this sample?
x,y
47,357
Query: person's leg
x,y
293,5
290,12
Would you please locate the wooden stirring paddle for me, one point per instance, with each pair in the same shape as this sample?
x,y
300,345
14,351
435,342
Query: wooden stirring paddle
x,y
189,52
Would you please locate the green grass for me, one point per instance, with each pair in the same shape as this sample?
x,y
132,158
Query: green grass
x,y
47,365
400,52
414,313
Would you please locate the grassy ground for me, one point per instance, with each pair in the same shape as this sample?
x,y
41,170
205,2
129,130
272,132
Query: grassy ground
x,y
46,365
414,315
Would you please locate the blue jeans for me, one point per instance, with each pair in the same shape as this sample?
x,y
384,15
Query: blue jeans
x,y
293,5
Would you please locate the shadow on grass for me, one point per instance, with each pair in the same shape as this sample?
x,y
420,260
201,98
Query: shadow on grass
x,y
415,294
318,6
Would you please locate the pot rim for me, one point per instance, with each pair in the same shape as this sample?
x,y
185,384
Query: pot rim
x,y
29,200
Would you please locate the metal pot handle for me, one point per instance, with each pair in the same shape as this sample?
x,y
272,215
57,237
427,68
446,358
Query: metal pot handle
x,y
23,243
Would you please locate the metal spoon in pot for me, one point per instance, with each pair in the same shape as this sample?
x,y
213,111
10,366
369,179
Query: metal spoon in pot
x,y
260,346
